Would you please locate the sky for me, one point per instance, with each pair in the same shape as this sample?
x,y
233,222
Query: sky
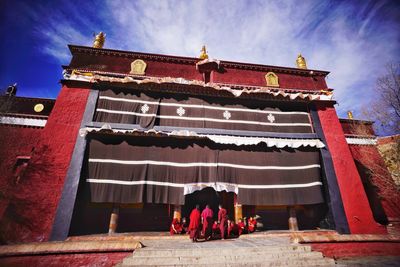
x,y
354,40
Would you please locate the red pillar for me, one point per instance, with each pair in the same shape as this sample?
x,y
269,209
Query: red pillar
x,y
355,202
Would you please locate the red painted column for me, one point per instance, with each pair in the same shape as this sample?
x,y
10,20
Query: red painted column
x,y
37,195
355,202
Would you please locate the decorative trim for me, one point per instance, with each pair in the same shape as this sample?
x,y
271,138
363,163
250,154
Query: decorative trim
x,y
68,72
270,142
218,187
23,121
219,139
299,94
200,131
361,141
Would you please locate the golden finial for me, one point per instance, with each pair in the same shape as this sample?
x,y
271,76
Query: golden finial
x,y
203,54
99,40
350,115
301,62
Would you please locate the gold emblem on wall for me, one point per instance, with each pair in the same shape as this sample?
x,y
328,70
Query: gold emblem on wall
x,y
38,108
272,79
138,67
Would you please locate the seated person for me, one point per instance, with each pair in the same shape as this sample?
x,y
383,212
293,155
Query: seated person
x,y
252,225
233,229
241,226
216,232
176,227
184,226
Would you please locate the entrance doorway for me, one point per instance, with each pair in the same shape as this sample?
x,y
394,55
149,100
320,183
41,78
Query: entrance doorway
x,y
211,197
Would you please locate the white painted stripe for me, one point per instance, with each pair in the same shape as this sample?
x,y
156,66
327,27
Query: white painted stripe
x,y
108,181
361,141
142,182
203,164
126,112
23,121
280,186
200,119
201,106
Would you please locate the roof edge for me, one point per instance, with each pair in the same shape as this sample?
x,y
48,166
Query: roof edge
x,y
191,60
356,121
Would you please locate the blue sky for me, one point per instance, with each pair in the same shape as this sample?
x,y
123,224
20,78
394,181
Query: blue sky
x,y
352,39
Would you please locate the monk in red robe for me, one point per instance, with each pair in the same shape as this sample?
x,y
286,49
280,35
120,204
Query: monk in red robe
x,y
252,225
207,220
176,227
241,226
222,217
194,225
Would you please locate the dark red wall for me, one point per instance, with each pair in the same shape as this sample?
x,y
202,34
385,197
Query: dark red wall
x,y
355,201
33,202
257,78
162,68
14,141
386,189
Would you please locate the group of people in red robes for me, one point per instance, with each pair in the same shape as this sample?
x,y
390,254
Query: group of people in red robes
x,y
203,225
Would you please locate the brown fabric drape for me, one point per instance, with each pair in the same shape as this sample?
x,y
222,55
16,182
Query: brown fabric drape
x,y
196,112
127,107
157,170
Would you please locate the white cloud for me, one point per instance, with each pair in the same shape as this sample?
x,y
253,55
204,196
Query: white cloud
x,y
352,42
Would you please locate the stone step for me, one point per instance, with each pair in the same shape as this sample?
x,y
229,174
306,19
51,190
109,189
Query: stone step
x,y
183,254
255,262
220,251
205,259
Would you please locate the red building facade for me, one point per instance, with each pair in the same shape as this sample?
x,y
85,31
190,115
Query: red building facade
x,y
172,131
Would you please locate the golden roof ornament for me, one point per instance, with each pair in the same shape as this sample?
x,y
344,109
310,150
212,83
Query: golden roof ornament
x,y
350,115
203,54
301,62
99,40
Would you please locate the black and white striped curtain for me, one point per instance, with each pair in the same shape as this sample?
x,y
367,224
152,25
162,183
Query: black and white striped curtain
x,y
164,169
195,112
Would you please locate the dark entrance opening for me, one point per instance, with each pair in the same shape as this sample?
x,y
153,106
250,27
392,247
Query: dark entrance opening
x,y
211,197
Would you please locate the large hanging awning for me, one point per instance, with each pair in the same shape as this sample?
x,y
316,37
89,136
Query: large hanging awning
x,y
164,170
148,109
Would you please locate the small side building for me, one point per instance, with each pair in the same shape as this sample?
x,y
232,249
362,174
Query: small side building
x,y
369,152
